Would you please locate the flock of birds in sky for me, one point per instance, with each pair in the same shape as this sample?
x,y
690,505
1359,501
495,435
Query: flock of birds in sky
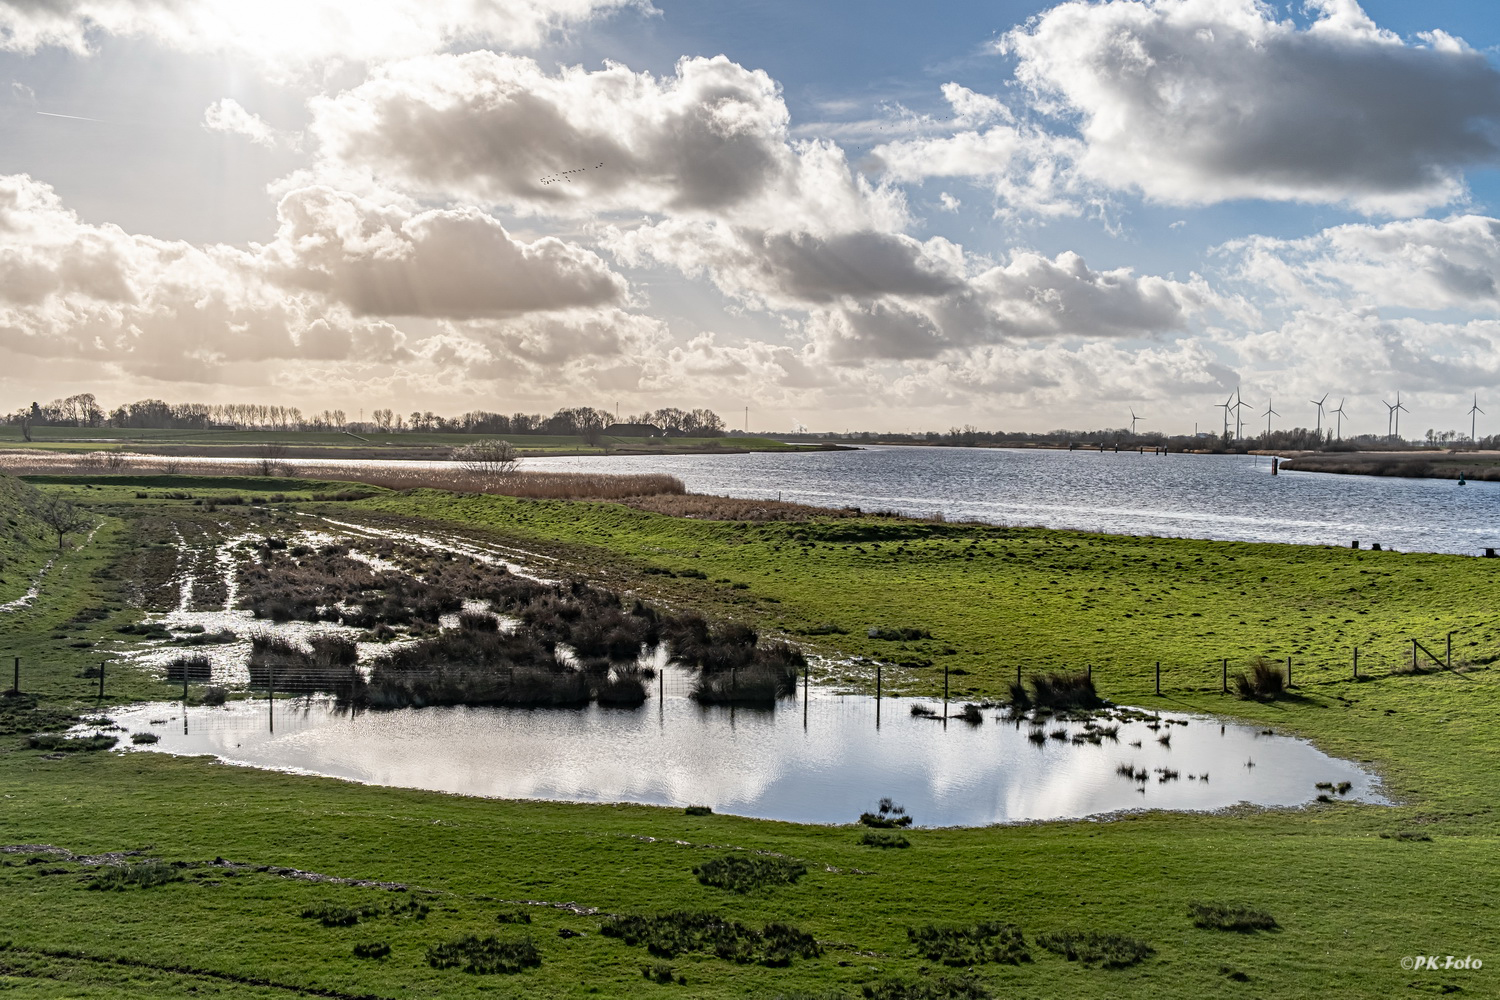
x,y
563,176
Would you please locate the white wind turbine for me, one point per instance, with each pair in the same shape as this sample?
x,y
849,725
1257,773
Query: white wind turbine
x,y
1268,415
1473,420
1319,404
1339,413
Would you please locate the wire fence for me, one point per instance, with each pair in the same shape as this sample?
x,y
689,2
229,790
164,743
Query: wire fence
x,y
204,680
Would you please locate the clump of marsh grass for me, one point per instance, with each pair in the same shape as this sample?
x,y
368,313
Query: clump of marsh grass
x,y
334,915
516,916
884,840
1264,681
485,955
960,987
1064,691
1111,951
372,949
1231,917
139,738
699,811
671,934
971,945
141,875
742,874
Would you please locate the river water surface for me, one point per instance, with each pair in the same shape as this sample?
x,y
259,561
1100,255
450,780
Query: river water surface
x,y
1230,497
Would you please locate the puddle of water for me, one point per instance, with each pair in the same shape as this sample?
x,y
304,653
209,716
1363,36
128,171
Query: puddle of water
x,y
825,761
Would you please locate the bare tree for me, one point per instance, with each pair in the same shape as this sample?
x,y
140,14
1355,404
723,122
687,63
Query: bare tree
x,y
62,517
490,459
271,454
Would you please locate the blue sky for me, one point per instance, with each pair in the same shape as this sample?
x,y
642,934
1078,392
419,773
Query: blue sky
x,y
883,216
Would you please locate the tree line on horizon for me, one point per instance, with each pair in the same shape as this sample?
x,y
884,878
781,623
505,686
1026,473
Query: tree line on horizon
x,y
83,410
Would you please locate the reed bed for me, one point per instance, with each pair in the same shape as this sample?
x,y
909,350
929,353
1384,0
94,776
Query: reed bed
x,y
391,475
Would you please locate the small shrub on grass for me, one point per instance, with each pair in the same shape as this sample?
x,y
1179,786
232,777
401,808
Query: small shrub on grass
x,y
214,696
742,874
142,875
699,811
877,838
1408,835
1264,682
973,945
1112,951
929,988
1231,917
516,916
886,816
485,956
372,949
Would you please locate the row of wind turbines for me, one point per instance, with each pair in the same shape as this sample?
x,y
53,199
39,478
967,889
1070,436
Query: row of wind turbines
x,y
1394,410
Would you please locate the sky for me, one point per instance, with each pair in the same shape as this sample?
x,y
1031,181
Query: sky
x,y
877,216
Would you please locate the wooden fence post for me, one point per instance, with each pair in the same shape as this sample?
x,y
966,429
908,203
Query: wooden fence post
x,y
101,678
1224,669
1158,677
1288,671
1356,663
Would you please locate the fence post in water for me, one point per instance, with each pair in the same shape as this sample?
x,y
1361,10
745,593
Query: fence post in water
x,y
1158,677
184,684
806,669
270,694
877,695
945,690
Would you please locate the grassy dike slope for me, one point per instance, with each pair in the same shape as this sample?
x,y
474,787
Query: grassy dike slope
x,y
1350,898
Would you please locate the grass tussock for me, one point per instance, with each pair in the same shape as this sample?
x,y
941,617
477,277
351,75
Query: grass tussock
x,y
882,839
960,987
62,743
1264,681
1059,690
976,944
685,932
141,875
485,955
1110,951
372,950
1231,917
738,873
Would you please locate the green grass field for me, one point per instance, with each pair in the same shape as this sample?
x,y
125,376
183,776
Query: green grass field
x,y
1352,887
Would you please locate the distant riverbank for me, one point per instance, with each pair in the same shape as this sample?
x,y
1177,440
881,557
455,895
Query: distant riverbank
x,y
1479,465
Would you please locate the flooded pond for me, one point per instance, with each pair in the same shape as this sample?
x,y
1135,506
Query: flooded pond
x,y
822,761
